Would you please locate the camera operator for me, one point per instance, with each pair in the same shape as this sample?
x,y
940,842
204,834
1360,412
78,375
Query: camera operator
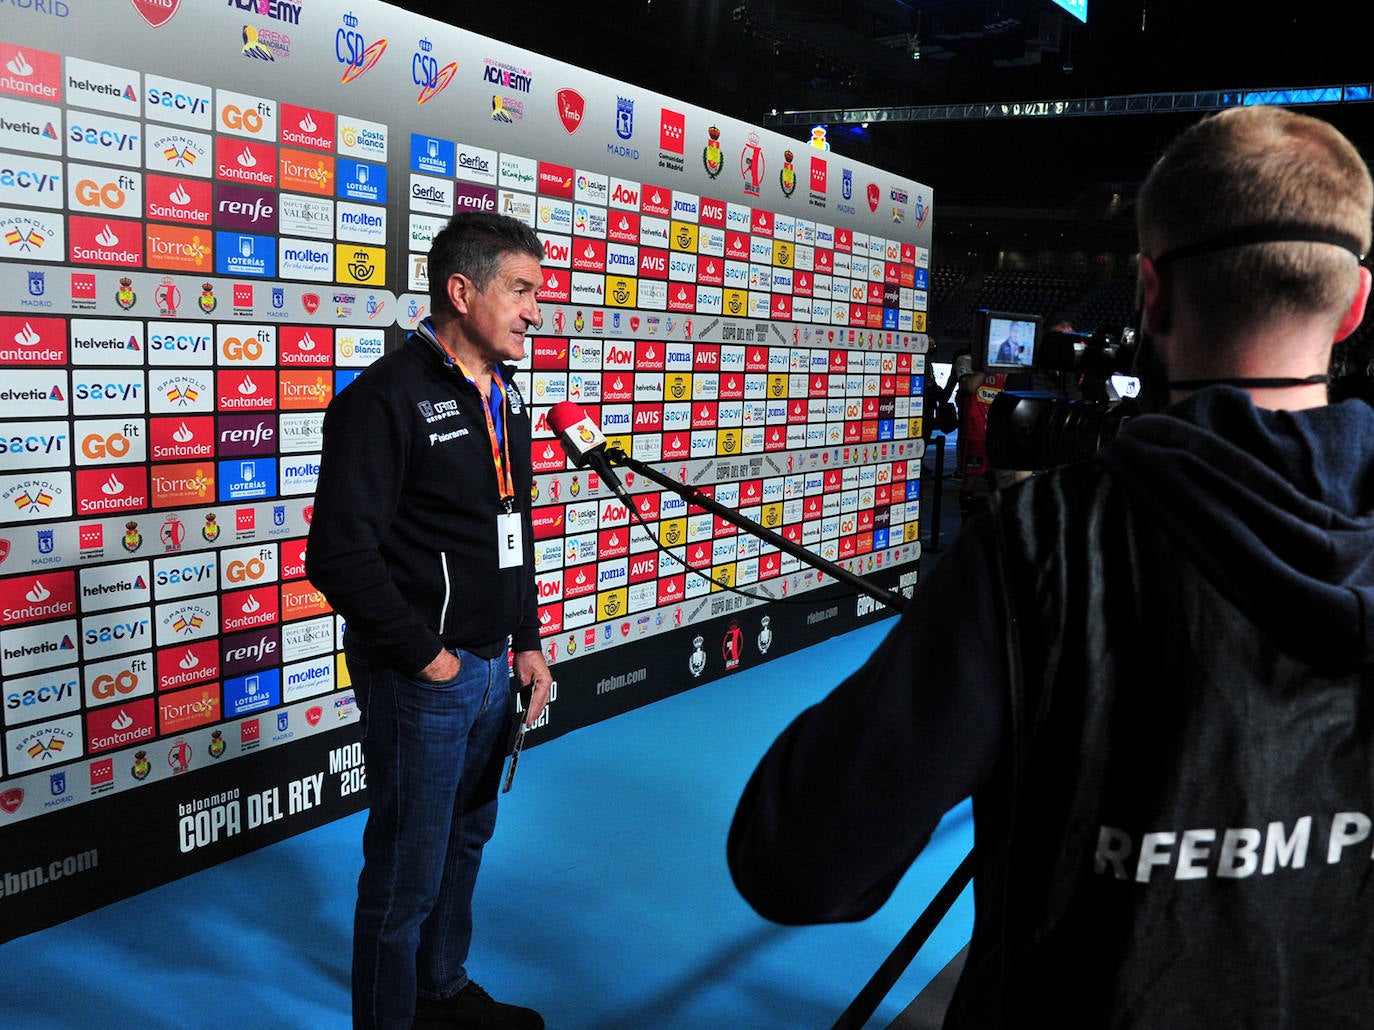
x,y
978,390
1162,707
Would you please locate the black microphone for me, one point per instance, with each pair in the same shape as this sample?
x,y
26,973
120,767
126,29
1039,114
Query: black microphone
x,y
584,443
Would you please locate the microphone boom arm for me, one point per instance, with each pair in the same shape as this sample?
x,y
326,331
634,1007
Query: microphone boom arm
x,y
693,495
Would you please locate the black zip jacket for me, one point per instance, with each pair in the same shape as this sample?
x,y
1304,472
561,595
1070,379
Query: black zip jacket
x,y
1155,673
404,537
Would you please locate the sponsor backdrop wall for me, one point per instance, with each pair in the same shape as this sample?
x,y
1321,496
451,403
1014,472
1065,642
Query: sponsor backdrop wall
x,y
212,217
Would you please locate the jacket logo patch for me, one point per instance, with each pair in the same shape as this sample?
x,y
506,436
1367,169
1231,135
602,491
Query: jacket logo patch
x,y
437,411
445,437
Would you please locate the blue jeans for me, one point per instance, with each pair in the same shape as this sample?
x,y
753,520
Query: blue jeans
x,y
434,753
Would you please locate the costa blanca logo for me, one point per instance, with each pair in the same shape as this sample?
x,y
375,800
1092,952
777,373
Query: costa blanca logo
x,y
362,139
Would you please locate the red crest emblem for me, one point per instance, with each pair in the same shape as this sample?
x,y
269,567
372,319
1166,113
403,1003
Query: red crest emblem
x,y
156,13
571,107
311,302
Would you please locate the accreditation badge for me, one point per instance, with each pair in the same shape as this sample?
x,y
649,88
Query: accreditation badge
x,y
510,541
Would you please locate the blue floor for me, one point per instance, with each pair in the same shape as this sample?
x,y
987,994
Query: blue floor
x,y
604,900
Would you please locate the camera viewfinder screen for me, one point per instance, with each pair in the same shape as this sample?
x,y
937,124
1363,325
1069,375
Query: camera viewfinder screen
x,y
1010,342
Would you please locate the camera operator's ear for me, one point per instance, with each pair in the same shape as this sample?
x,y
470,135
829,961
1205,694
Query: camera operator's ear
x,y
1355,314
1153,297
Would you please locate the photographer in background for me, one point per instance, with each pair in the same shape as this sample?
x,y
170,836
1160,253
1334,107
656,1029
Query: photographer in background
x,y
1161,702
974,396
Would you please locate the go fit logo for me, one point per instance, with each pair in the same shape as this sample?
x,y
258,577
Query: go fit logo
x,y
245,115
247,345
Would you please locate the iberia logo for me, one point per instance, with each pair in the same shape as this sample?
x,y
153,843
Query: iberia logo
x,y
156,12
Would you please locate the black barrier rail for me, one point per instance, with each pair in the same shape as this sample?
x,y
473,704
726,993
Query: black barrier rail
x,y
866,1002
939,498
882,981
693,495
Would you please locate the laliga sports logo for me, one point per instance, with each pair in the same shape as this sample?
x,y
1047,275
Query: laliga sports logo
x,y
353,50
426,73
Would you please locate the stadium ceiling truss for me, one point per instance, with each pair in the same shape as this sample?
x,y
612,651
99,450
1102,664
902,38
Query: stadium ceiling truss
x,y
1135,103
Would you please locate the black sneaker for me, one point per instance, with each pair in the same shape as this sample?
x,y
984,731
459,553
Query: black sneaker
x,y
474,1007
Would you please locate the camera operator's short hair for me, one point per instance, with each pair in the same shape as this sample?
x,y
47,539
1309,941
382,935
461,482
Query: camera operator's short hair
x,y
1254,166
473,244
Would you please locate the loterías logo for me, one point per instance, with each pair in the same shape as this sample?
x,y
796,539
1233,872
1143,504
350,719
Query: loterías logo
x,y
156,12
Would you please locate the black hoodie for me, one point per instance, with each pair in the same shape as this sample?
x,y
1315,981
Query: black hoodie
x,y
1140,667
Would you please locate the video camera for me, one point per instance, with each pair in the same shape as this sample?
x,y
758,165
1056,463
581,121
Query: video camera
x,y
1090,395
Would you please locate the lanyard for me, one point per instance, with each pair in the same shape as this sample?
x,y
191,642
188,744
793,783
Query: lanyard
x,y
495,410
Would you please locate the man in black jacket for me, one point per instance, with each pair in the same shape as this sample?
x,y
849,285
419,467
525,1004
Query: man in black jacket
x,y
421,539
1152,671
